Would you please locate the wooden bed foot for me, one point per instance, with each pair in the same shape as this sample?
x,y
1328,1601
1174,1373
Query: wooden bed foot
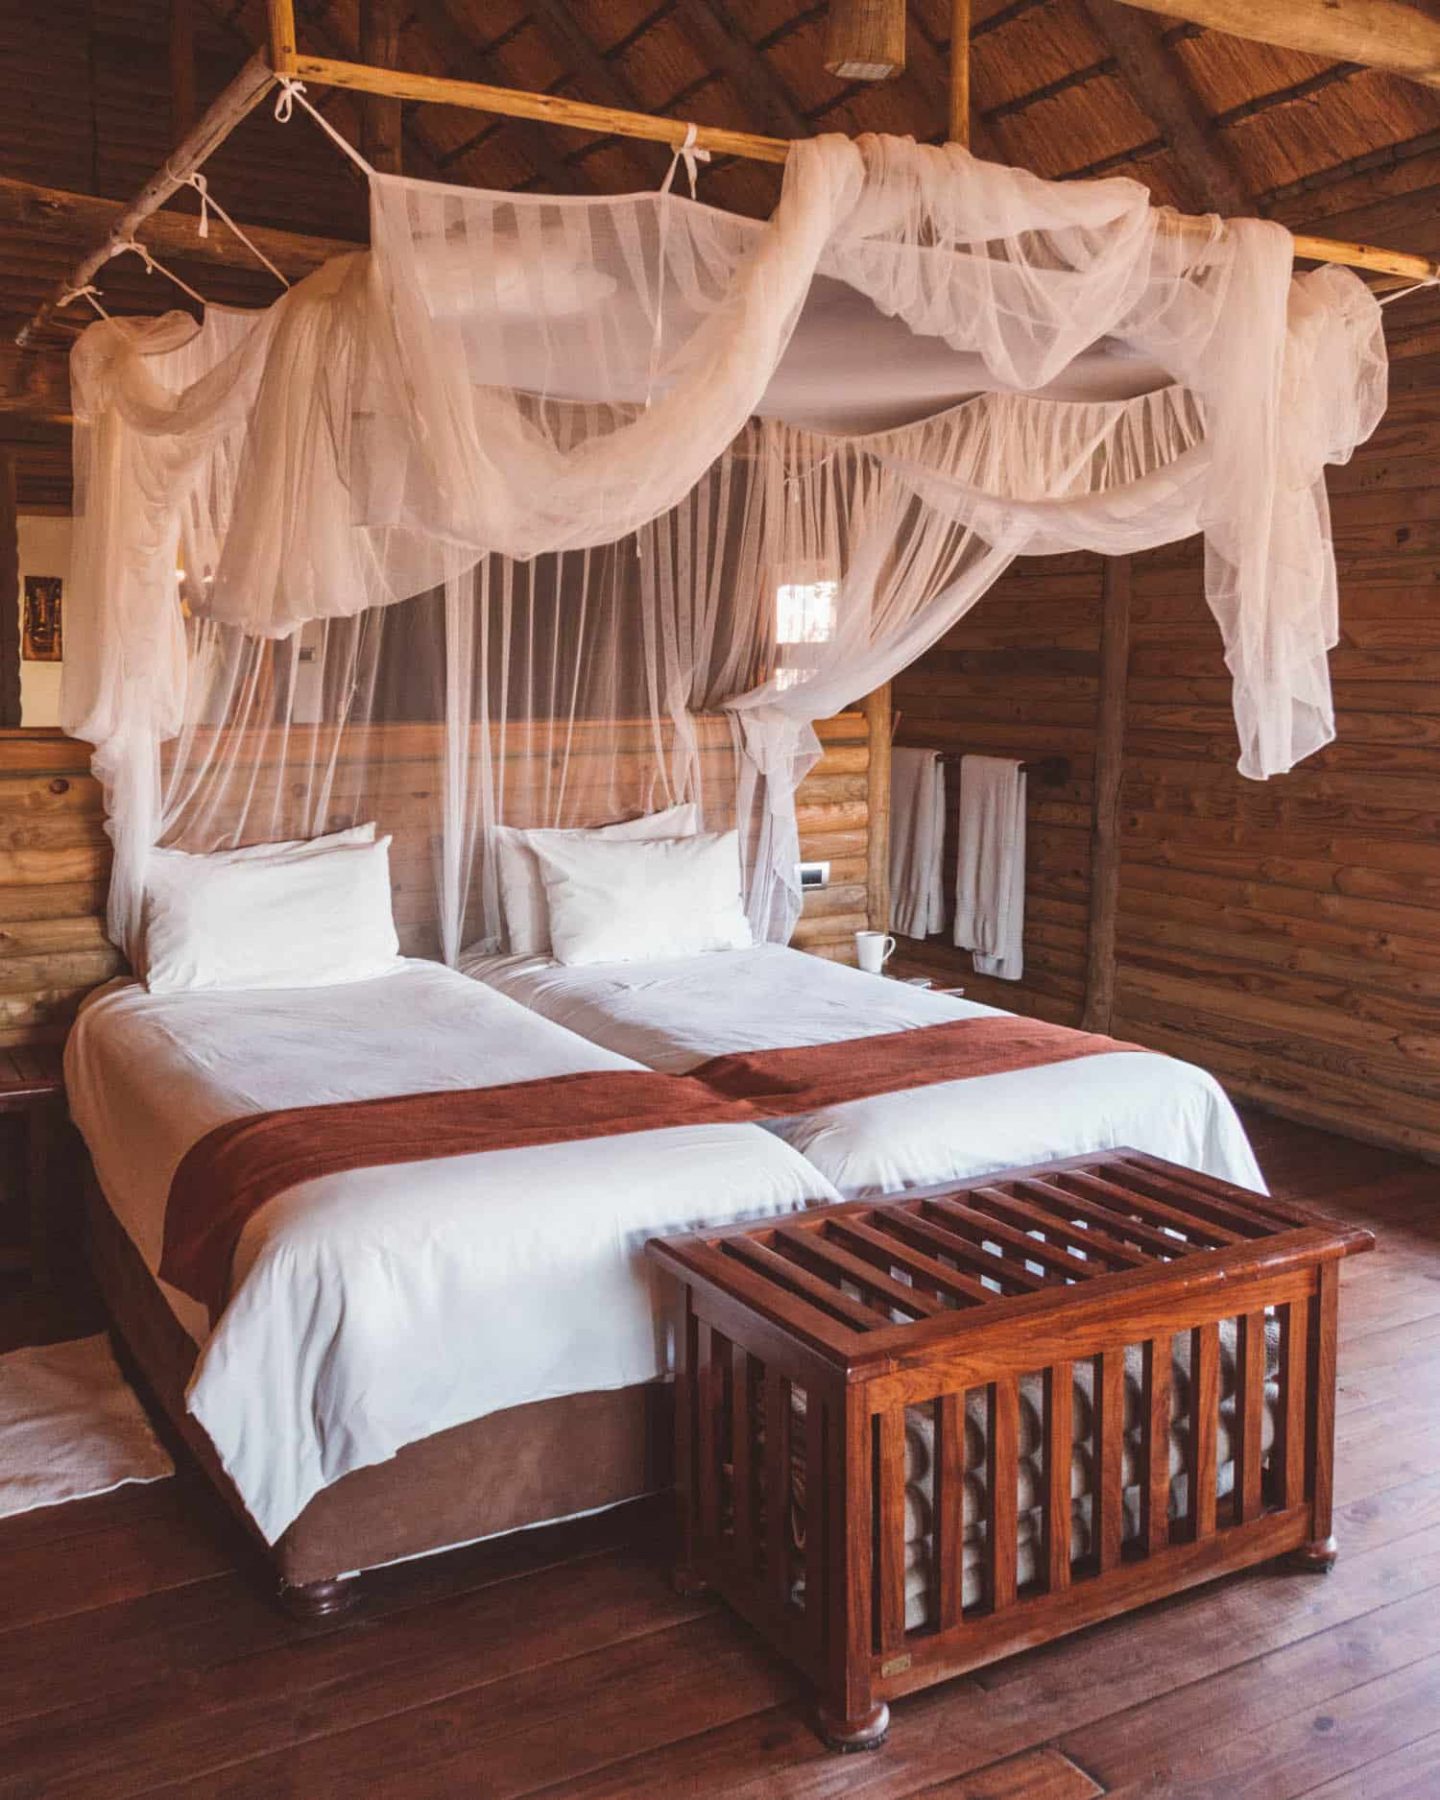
x,y
687,1584
308,1601
1316,1557
868,1732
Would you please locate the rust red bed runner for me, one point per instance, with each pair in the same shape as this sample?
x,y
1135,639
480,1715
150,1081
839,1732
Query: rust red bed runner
x,y
224,1180
782,1083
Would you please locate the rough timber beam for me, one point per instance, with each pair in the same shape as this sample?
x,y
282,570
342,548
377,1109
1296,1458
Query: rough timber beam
x,y
1167,99
1382,34
57,218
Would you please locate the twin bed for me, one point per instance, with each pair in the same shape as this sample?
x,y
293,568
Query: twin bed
x,y
419,1355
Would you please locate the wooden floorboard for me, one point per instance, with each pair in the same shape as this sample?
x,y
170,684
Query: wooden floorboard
x,y
139,1653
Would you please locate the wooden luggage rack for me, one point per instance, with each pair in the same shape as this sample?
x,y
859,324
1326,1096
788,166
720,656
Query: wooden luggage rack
x,y
967,1313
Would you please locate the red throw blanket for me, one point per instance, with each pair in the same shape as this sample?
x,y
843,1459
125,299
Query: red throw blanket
x,y
225,1179
782,1083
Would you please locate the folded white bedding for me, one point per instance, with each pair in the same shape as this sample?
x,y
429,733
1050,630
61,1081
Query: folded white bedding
x,y
674,1014
374,1308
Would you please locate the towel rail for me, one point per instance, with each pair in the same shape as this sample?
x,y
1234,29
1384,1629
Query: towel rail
x,y
1048,771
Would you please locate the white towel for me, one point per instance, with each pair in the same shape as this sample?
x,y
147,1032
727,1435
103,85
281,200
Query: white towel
x,y
917,842
990,872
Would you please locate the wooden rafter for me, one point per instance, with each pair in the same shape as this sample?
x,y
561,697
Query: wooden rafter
x,y
719,42
592,69
63,220
461,51
1165,96
1381,34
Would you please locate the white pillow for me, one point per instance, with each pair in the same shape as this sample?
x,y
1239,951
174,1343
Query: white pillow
x,y
522,893
353,834
619,902
308,919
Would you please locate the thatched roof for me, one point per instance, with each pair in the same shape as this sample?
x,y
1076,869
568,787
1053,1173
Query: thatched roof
x,y
1065,87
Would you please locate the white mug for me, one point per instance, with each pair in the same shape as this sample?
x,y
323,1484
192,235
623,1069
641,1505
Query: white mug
x,y
873,949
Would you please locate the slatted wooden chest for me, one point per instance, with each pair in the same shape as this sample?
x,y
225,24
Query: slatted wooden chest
x,y
919,1434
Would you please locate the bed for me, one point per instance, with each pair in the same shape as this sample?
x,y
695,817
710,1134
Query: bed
x,y
677,1013
410,1356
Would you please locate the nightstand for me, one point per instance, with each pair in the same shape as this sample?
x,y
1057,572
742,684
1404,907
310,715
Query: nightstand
x,y
31,1084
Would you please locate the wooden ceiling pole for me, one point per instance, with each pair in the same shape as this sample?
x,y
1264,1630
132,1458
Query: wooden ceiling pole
x,y
1381,34
960,72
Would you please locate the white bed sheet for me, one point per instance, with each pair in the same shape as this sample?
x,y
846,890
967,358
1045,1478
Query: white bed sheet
x,y
374,1308
674,1014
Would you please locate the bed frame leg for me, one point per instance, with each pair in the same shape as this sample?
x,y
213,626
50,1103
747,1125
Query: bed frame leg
x,y
867,1732
1315,1558
309,1601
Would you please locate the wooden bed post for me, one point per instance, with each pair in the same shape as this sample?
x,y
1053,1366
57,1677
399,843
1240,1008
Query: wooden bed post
x,y
1109,770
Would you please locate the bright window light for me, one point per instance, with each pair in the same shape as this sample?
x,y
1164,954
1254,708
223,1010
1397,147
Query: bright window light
x,y
805,612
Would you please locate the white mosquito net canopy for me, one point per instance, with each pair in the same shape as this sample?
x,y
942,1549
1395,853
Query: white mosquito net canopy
x,y
551,511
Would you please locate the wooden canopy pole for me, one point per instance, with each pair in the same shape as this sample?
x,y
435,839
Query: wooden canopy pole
x,y
960,72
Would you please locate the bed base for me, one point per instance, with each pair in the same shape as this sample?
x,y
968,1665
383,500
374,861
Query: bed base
x,y
522,1467
874,1311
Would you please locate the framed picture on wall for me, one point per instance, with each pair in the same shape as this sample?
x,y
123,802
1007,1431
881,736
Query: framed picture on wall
x,y
41,639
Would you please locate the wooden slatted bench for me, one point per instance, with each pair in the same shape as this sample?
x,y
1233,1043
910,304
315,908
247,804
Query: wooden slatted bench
x,y
919,1434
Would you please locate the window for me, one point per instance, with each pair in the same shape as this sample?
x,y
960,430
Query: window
x,y
804,615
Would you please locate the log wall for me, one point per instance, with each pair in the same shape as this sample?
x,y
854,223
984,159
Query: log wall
x,y
1286,934
54,861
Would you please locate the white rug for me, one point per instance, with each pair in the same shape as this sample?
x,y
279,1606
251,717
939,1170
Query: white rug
x,y
71,1426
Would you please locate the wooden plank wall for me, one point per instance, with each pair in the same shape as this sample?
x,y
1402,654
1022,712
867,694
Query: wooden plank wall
x,y
1286,934
54,859
1020,677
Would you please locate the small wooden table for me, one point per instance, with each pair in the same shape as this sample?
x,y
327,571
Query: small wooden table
x,y
32,1085
984,1325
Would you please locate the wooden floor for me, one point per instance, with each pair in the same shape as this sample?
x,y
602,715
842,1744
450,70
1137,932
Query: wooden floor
x,y
139,1655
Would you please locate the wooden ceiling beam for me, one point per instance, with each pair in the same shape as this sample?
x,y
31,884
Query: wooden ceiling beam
x,y
719,42
1158,83
67,222
1381,34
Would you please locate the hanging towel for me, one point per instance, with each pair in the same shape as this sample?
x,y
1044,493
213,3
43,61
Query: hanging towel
x,y
917,841
990,871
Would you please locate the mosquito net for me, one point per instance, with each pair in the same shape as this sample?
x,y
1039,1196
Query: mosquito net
x,y
549,511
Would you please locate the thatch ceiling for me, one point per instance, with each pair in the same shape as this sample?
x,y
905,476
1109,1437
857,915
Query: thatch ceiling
x,y
1065,87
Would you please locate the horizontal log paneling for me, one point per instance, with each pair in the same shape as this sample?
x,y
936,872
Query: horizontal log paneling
x,y
55,857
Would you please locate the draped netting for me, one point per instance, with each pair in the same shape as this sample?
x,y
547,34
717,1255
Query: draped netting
x,y
549,511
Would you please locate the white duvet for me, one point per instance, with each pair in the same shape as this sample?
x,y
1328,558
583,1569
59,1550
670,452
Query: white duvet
x,y
674,1014
374,1308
